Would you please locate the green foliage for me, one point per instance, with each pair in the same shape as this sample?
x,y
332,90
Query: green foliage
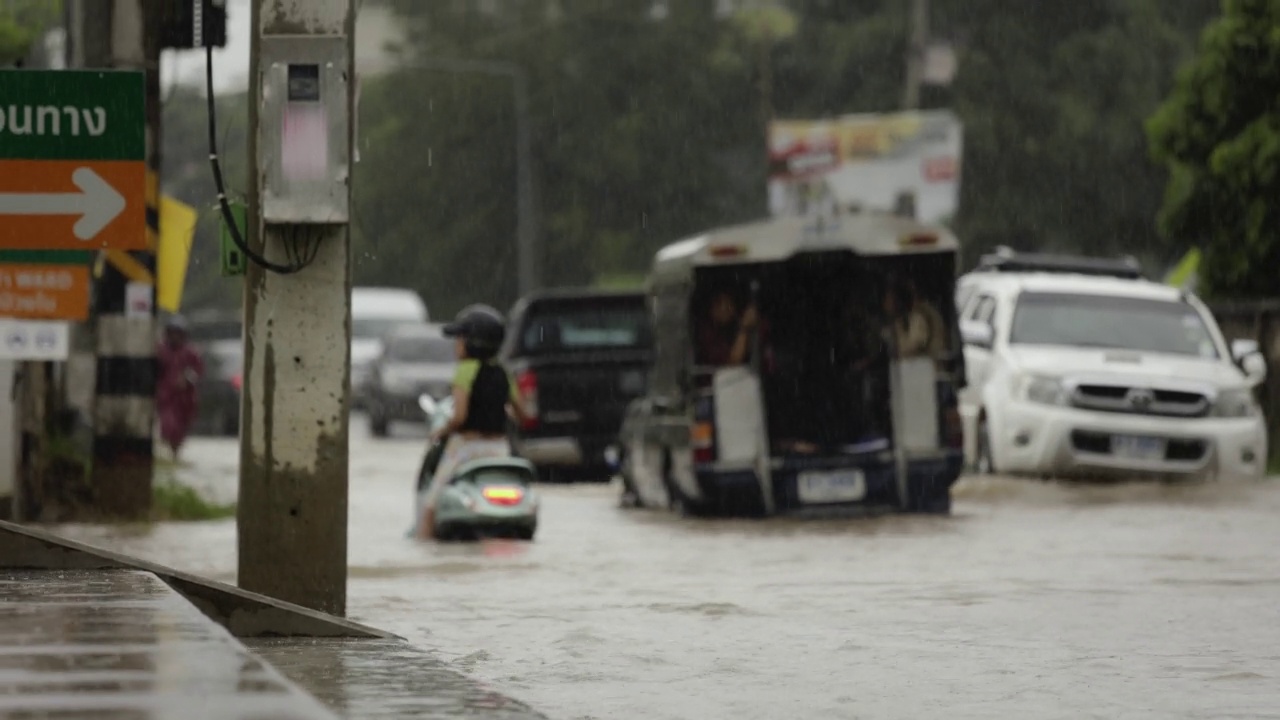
x,y
21,23
642,131
646,130
1219,134
14,41
172,501
187,177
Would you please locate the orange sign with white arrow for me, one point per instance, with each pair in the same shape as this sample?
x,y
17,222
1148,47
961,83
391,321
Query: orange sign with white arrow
x,y
72,205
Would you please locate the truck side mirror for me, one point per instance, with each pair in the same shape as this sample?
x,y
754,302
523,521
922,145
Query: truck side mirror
x,y
1255,367
978,334
1248,355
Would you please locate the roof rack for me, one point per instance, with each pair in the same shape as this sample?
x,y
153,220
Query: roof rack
x,y
1005,259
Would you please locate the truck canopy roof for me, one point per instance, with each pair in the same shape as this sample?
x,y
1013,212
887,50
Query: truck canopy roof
x,y
777,239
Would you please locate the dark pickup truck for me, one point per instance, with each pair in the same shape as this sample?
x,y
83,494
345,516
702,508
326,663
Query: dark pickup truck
x,y
578,358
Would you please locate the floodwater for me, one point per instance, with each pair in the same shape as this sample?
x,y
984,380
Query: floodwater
x,y
1033,600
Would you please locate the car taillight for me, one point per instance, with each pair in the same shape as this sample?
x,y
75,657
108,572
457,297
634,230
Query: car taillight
x,y
527,387
502,494
702,438
702,433
236,381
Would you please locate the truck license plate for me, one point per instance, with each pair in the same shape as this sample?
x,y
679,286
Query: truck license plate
x,y
832,487
1137,448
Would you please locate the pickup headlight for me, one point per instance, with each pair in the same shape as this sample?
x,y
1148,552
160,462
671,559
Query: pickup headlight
x,y
1235,404
1041,389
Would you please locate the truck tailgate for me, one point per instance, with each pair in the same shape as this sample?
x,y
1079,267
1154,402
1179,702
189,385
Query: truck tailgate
x,y
586,394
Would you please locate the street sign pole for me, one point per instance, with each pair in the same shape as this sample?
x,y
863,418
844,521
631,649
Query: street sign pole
x,y
72,177
125,380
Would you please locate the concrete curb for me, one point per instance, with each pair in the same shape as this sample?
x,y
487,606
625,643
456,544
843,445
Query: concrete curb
x,y
244,614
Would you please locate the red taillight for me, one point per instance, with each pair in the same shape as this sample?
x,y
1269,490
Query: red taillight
x,y
502,494
527,387
702,438
236,381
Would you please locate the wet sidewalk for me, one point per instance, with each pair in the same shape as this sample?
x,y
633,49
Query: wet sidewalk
x,y
123,644
88,633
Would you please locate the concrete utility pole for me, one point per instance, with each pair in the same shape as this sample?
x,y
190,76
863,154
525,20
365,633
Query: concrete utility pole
x,y
292,529
124,404
917,46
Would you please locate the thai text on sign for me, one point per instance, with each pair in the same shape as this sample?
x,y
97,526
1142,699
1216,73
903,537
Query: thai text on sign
x,y
44,292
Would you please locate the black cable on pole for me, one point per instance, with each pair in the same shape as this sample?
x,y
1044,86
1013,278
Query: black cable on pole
x,y
233,229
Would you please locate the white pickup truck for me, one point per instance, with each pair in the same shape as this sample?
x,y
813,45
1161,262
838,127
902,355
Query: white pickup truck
x,y
1084,372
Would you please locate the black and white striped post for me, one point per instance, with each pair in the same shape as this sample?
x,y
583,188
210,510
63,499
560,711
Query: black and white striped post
x,y
124,404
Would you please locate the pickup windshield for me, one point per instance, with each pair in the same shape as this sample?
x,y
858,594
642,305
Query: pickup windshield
x,y
1098,321
567,328
375,327
421,350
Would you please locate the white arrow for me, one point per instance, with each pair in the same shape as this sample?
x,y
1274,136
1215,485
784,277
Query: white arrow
x,y
97,203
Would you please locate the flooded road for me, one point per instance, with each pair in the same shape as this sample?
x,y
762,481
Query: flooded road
x,y
1032,600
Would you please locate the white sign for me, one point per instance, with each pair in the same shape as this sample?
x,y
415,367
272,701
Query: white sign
x,y
138,300
45,340
905,162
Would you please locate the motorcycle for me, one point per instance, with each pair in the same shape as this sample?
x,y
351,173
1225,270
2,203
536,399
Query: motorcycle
x,y
486,497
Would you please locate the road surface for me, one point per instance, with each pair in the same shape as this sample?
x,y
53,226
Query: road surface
x,y
1034,600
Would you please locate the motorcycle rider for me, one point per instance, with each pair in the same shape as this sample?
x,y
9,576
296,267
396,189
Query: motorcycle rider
x,y
483,398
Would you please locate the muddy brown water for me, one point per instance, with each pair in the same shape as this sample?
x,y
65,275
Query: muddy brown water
x,y
1033,600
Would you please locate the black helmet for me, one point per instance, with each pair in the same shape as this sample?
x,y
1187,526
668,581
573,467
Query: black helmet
x,y
480,325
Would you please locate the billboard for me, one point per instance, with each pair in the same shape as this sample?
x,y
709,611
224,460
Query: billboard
x,y
905,162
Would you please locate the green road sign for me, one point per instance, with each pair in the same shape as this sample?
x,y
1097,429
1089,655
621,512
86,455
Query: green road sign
x,y
72,115
46,257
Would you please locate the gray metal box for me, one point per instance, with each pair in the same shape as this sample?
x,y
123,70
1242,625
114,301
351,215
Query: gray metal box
x,y
304,138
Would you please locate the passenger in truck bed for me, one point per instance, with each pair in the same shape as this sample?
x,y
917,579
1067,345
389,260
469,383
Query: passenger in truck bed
x,y
917,326
724,337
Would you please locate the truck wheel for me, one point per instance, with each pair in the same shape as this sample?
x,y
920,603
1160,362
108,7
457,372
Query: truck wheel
x,y
629,498
938,504
231,423
677,502
984,464
378,424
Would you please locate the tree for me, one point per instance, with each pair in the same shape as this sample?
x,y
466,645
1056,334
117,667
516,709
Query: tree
x,y
648,127
645,128
1219,135
21,23
187,177
1053,97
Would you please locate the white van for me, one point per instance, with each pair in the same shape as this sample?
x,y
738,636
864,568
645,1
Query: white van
x,y
375,311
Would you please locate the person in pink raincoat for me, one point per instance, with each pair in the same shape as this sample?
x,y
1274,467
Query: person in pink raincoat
x,y
180,368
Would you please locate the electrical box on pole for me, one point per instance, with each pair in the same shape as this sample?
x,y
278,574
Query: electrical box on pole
x,y
304,129
188,24
233,259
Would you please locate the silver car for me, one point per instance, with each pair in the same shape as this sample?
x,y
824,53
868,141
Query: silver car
x,y
415,360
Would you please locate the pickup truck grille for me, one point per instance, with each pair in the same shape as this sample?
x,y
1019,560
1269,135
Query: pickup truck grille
x,y
1141,400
